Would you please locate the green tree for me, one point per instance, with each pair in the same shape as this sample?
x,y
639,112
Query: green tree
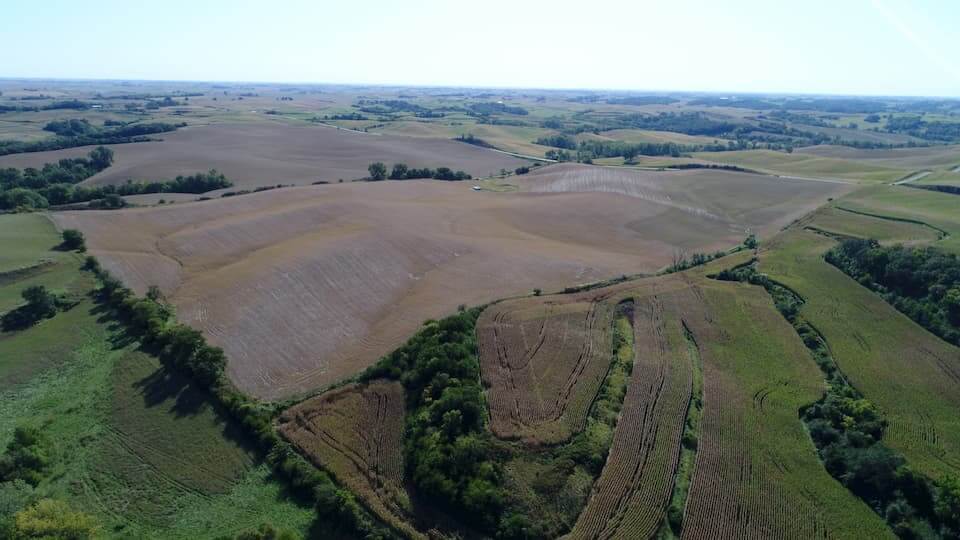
x,y
40,301
378,171
101,157
53,520
74,240
399,171
27,456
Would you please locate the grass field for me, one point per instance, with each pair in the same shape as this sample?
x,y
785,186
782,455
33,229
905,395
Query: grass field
x,y
649,136
797,164
517,139
912,375
134,445
948,177
913,159
832,220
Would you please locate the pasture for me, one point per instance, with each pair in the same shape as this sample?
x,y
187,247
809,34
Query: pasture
x,y
323,280
138,447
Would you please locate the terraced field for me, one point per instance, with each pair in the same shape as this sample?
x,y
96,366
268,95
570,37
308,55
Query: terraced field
x,y
756,473
356,432
912,375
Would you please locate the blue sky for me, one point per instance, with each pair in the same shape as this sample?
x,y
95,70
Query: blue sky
x,y
875,47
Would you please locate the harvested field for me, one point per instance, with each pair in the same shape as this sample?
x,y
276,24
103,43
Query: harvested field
x,y
267,153
544,362
305,286
356,433
709,198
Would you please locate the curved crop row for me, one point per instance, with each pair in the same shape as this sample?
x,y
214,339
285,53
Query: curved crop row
x,y
356,433
543,363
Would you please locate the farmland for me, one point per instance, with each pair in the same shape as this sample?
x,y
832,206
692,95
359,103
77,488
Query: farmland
x,y
270,153
413,249
355,432
139,448
543,363
908,371
555,348
747,412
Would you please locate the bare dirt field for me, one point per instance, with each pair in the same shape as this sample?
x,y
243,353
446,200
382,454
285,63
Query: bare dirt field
x,y
269,153
305,286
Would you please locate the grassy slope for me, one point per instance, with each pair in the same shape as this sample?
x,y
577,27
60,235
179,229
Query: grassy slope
x,y
941,177
804,165
138,448
941,210
833,220
897,364
766,375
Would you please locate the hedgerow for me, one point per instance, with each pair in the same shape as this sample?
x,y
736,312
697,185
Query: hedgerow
x,y
185,349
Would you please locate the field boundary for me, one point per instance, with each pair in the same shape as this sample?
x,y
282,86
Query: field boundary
x,y
942,233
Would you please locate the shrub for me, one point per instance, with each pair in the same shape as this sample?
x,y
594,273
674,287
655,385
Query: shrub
x,y
27,456
74,240
53,519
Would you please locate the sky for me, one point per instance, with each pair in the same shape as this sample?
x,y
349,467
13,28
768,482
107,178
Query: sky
x,y
863,47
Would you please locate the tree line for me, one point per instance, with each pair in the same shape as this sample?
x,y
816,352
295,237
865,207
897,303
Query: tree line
x,y
921,282
57,184
73,133
400,171
181,348
448,452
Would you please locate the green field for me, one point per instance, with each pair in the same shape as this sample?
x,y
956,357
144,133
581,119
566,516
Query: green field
x,y
941,177
832,220
136,446
895,363
757,375
797,164
939,210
